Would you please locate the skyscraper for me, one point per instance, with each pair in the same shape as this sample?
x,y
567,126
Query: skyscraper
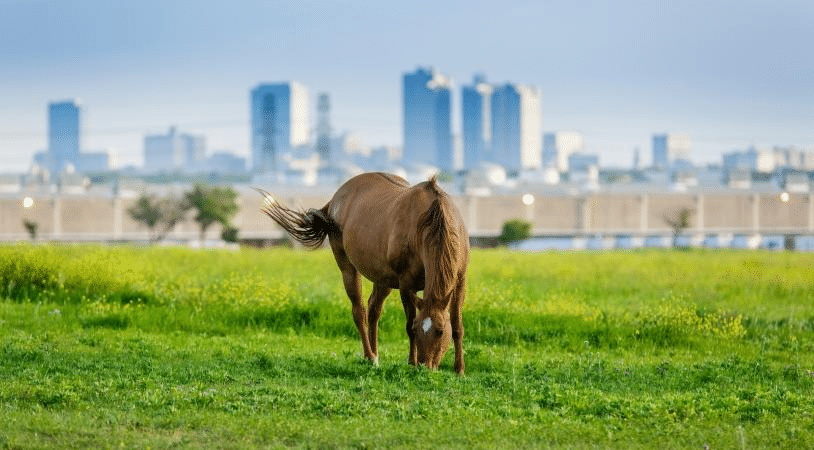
x,y
63,134
279,115
477,122
516,127
557,147
324,126
670,147
427,124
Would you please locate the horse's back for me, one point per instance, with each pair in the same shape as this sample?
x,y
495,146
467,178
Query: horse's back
x,y
363,195
377,215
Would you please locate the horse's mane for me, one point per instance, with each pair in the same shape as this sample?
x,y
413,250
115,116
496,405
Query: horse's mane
x,y
440,235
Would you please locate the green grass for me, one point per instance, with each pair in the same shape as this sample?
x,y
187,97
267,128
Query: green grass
x,y
175,348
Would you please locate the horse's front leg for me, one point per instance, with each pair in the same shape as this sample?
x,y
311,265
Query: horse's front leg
x,y
374,311
408,300
457,325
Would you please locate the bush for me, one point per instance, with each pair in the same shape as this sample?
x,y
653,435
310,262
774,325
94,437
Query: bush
x,y
229,234
515,230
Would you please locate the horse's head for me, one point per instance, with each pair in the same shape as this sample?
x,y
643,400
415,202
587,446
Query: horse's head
x,y
433,334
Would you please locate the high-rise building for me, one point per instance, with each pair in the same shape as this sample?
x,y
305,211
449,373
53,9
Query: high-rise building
x,y
324,126
279,115
64,130
194,150
427,123
516,127
557,147
668,148
173,152
477,122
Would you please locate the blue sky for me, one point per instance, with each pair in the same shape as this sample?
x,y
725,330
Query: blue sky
x,y
729,73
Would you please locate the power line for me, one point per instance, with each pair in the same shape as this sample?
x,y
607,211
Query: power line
x,y
226,124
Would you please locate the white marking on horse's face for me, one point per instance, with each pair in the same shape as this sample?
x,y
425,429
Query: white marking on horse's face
x,y
426,325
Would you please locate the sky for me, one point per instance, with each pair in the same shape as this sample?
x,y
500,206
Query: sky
x,y
731,74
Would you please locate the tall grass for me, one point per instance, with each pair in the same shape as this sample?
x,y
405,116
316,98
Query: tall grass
x,y
256,349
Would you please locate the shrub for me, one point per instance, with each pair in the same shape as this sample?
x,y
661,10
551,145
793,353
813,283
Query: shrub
x,y
515,230
229,234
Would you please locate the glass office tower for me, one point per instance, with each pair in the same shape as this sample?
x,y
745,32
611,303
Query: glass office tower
x,y
477,122
279,115
516,136
427,122
63,134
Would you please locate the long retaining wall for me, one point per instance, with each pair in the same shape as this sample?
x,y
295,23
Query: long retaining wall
x,y
105,218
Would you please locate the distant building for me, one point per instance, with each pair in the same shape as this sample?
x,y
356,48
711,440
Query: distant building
x,y
792,157
795,181
668,148
279,115
64,132
427,122
173,152
557,147
96,162
477,122
516,127
226,163
194,151
42,161
742,160
764,160
346,144
583,170
582,162
323,146
738,178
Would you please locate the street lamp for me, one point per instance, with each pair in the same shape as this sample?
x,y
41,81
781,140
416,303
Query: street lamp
x,y
528,199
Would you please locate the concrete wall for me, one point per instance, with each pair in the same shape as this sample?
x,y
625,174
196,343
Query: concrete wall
x,y
72,217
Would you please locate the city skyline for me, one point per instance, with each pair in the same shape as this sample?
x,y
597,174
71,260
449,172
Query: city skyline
x,y
728,74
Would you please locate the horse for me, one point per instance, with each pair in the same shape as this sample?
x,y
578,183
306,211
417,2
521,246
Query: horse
x,y
410,238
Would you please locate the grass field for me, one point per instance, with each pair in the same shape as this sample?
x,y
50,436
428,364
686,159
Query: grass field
x,y
176,348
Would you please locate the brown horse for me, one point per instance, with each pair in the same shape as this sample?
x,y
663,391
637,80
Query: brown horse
x,y
399,237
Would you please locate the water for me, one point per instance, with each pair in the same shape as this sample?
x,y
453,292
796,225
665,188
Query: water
x,y
605,242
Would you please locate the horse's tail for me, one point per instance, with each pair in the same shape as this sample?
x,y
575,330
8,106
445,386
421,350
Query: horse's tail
x,y
439,230
309,228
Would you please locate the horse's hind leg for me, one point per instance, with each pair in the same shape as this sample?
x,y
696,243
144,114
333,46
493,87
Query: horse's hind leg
x,y
374,311
350,278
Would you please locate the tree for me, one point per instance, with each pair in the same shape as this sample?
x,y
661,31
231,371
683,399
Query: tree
x,y
146,211
212,205
31,228
678,221
172,210
515,230
159,215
